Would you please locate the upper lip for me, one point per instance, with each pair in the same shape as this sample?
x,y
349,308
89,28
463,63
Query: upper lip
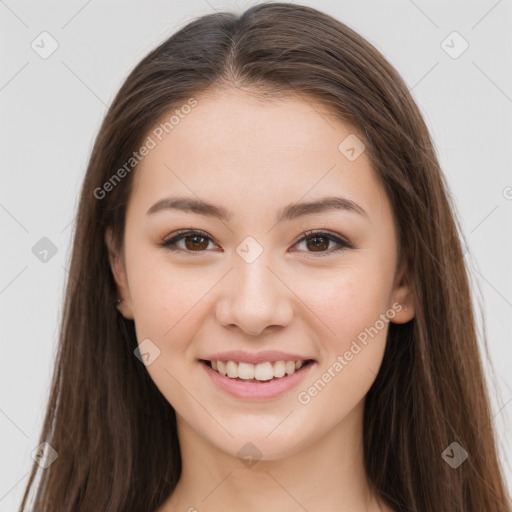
x,y
255,358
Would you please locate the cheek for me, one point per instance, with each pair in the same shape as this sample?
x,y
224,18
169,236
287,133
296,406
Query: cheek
x,y
346,301
163,297
167,308
353,318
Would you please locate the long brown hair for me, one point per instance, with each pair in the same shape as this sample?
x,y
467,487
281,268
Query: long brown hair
x,y
115,433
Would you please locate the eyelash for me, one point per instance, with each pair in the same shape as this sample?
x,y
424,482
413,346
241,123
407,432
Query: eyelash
x,y
179,235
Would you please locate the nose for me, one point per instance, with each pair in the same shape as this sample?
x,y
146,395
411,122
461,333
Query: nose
x,y
254,298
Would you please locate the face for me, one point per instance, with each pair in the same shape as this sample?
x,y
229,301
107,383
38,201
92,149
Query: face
x,y
254,280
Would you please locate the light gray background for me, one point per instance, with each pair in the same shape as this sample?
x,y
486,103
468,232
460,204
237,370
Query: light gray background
x,y
51,110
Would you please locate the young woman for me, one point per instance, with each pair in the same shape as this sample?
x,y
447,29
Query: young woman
x,y
268,306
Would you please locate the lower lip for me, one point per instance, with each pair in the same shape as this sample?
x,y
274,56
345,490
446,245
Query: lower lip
x,y
257,390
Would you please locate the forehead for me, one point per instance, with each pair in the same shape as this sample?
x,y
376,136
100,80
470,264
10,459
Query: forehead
x,y
232,143
235,122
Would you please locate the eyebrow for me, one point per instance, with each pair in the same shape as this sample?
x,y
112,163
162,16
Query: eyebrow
x,y
290,212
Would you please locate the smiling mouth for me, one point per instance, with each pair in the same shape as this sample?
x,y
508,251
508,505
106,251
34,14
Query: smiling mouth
x,y
262,372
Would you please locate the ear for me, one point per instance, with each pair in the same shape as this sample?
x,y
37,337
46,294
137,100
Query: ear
x,y
118,268
402,294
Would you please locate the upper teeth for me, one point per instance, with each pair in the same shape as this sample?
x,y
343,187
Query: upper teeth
x,y
261,371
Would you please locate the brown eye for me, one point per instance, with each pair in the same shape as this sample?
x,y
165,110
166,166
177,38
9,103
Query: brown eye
x,y
197,241
194,241
318,242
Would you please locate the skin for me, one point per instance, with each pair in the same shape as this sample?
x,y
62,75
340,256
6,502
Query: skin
x,y
254,157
